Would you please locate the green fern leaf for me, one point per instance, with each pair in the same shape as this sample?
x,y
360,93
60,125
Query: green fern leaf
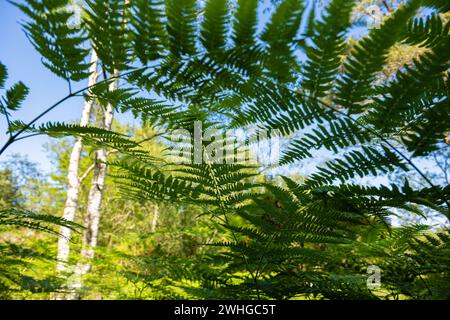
x,y
245,24
59,43
181,26
215,25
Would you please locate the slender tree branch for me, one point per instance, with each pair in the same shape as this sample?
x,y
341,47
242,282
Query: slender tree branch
x,y
70,86
92,166
443,166
86,173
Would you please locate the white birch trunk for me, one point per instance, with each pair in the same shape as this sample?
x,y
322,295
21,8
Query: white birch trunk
x,y
155,218
96,191
73,185
95,198
92,220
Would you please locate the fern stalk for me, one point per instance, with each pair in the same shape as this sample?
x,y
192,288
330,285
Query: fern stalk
x,y
16,137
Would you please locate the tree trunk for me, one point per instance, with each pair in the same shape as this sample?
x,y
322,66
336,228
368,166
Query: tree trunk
x,y
92,220
73,187
96,191
155,218
95,197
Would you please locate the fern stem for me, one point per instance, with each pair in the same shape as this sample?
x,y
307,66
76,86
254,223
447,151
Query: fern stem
x,y
259,268
29,136
8,121
387,6
15,137
227,223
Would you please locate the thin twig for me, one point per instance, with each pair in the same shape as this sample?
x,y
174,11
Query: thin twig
x,y
29,136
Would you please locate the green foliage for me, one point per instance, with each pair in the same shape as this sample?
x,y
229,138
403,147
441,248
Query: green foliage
x,y
424,137
9,190
324,58
16,258
368,57
427,32
27,219
59,43
441,5
3,75
181,17
414,261
149,34
279,34
91,136
14,96
245,22
214,26
288,242
360,163
108,33
312,238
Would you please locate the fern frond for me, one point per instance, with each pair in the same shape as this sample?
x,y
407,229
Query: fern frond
x,y
108,32
245,23
149,31
357,163
423,137
15,96
92,136
103,96
424,81
441,5
3,75
427,32
368,57
335,136
324,57
39,222
215,25
279,34
181,26
59,43
144,182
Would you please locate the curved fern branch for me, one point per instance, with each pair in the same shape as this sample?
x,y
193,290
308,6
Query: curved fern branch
x,y
28,125
385,141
